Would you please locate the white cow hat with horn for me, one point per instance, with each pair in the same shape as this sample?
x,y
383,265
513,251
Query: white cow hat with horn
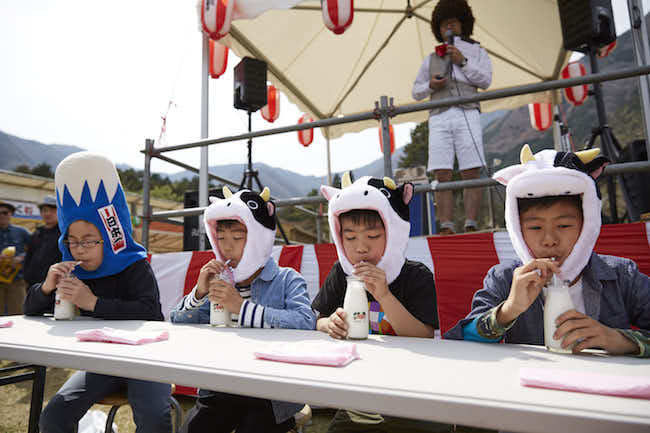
x,y
551,173
389,201
257,213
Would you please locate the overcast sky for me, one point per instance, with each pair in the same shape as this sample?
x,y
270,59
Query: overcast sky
x,y
99,75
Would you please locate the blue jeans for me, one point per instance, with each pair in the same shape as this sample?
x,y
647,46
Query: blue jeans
x,y
149,401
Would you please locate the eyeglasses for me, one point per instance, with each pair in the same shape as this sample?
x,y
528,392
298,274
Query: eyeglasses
x,y
82,244
4,212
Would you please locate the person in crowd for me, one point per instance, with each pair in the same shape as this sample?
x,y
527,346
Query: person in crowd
x,y
553,217
369,223
13,240
105,274
43,247
459,67
257,292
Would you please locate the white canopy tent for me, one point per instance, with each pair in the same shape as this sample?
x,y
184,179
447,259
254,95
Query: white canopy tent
x,y
329,75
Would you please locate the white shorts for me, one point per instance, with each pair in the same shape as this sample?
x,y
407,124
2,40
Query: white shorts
x,y
449,136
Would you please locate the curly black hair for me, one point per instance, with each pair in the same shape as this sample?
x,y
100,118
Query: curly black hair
x,y
446,9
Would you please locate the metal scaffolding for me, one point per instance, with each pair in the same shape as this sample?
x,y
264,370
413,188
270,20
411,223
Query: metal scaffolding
x,y
383,111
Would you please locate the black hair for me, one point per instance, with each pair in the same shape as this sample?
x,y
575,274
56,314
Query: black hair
x,y
226,224
368,217
446,9
545,202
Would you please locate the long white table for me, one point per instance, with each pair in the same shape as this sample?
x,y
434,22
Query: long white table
x,y
440,380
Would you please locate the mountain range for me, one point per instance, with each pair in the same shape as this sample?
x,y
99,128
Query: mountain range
x,y
504,132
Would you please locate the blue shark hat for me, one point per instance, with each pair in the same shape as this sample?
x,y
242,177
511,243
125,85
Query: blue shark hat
x,y
88,188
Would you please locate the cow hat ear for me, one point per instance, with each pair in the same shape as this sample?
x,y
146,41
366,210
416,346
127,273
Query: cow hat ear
x,y
408,192
328,191
270,207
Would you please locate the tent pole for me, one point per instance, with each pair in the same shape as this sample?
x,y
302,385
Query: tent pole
x,y
385,134
203,169
556,128
146,197
639,34
329,156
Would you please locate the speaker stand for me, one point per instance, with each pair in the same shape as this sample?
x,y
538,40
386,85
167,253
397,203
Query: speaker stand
x,y
250,174
610,147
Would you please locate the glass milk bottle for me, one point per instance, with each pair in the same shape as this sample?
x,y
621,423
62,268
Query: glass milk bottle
x,y
558,301
355,305
63,310
219,315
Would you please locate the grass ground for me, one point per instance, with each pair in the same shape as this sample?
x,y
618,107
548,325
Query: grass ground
x,y
15,401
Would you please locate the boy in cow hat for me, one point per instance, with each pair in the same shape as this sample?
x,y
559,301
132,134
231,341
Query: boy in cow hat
x,y
105,274
553,217
369,223
241,230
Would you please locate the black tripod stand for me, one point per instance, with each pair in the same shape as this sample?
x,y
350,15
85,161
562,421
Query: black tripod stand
x,y
249,173
610,147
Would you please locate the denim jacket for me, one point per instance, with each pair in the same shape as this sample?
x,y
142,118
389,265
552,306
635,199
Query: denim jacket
x,y
281,296
615,293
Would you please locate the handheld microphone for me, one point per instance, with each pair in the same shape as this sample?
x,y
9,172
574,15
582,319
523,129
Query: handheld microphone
x,y
449,36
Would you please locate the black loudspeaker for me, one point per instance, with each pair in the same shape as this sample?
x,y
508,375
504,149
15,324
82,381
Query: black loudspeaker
x,y
586,23
191,224
250,84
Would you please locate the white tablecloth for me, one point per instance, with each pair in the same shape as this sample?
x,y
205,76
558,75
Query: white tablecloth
x,y
441,380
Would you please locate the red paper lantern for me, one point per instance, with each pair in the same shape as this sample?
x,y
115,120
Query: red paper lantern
x,y
576,95
392,140
218,59
216,16
271,110
541,115
337,14
604,51
305,136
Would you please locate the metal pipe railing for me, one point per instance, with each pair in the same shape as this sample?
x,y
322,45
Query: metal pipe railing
x,y
409,108
385,112
610,170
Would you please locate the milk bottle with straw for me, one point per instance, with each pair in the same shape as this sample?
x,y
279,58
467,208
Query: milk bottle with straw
x,y
355,305
219,315
64,309
558,301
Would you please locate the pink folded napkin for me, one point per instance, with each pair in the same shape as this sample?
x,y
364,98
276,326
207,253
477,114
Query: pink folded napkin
x,y
5,323
329,353
110,335
590,383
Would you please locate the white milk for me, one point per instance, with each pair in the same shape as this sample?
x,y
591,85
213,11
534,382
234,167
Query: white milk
x,y
558,301
63,310
355,305
219,315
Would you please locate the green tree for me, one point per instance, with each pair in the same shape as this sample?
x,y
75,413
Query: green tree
x,y
417,151
336,181
164,192
43,170
131,179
